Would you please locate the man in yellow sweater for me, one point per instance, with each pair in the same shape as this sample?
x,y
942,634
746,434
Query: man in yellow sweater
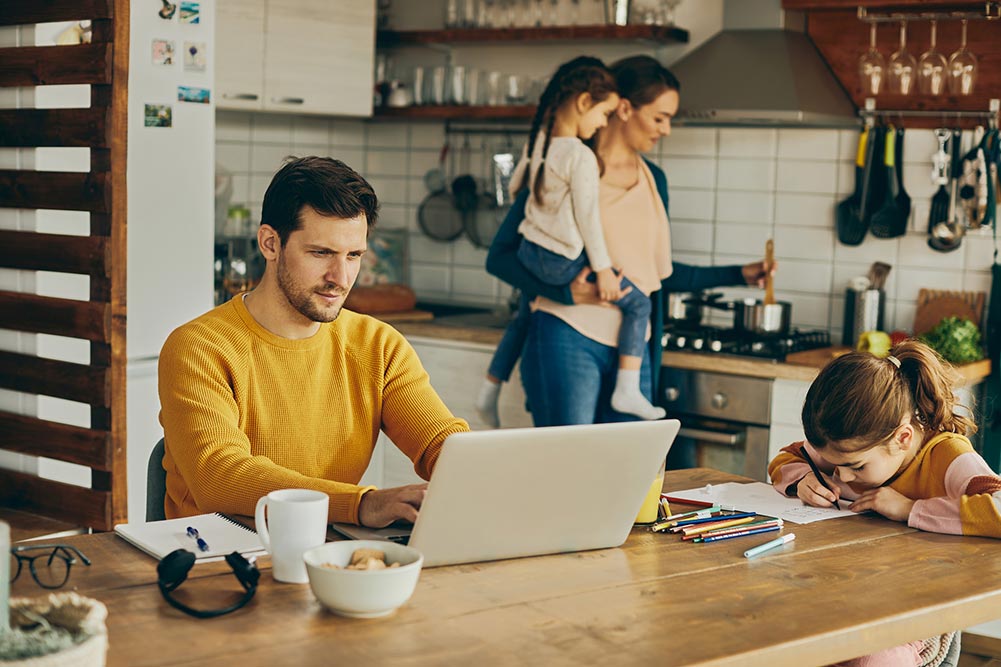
x,y
280,388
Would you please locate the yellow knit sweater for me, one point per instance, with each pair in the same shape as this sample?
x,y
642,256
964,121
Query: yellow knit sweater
x,y
246,412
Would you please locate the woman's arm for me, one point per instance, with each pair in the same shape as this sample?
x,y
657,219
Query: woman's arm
x,y
689,278
502,259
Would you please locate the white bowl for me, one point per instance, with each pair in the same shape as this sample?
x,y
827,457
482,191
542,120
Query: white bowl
x,y
362,593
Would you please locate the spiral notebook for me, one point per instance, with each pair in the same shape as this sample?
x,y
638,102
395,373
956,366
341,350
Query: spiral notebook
x,y
221,535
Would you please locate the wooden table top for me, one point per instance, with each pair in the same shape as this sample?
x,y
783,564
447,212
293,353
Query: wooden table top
x,y
843,588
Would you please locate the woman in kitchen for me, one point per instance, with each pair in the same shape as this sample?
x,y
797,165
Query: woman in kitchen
x,y
569,361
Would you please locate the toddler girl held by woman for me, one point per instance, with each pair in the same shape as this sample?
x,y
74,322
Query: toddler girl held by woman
x,y
562,229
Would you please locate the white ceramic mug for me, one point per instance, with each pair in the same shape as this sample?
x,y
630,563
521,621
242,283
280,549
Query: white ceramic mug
x,y
296,521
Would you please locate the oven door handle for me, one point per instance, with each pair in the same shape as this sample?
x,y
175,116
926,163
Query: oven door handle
x,y
716,437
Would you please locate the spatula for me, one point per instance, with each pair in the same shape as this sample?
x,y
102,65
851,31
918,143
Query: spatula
x,y
846,214
886,221
769,283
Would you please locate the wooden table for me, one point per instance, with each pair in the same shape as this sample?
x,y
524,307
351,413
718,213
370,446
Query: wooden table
x,y
845,587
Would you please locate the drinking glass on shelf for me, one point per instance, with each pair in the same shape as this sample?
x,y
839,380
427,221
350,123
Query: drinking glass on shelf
x,y
668,8
962,68
931,67
900,76
872,66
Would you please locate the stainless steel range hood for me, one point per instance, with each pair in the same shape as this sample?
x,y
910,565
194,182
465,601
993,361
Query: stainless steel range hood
x,y
761,70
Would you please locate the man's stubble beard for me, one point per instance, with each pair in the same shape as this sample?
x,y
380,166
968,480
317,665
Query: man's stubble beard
x,y
300,298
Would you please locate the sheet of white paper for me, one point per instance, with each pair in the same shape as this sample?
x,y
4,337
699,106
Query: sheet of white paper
x,y
763,499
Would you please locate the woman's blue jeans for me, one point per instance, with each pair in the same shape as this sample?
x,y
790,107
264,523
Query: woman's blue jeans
x,y
569,378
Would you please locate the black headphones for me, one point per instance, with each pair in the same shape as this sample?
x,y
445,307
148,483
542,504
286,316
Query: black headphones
x,y
173,570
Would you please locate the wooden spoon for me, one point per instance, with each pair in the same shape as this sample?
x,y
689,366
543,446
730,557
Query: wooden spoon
x,y
769,259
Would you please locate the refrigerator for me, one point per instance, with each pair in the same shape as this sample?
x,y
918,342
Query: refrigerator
x,y
171,200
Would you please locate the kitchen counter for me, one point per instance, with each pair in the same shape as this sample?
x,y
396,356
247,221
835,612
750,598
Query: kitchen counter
x,y
802,366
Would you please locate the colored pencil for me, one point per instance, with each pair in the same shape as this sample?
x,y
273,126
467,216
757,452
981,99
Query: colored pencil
x,y
716,516
685,501
733,529
691,530
740,534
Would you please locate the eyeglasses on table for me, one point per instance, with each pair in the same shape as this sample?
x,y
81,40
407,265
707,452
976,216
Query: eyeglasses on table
x,y
49,564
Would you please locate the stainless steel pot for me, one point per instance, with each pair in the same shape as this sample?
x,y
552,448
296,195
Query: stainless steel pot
x,y
753,315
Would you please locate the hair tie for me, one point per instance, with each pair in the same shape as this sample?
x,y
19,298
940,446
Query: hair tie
x,y
893,360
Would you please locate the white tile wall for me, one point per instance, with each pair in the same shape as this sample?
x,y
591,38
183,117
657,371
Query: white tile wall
x,y
731,188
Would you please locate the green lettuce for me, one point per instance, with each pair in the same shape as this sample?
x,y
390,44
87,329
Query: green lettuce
x,y
956,339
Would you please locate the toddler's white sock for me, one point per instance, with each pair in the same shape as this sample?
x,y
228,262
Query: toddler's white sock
x,y
628,398
486,403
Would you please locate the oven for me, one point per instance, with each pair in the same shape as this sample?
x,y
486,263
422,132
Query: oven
x,y
724,420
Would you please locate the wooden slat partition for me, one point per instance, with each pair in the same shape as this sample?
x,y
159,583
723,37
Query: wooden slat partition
x,y
44,496
74,382
50,65
97,381
19,12
65,442
62,190
54,252
52,315
53,127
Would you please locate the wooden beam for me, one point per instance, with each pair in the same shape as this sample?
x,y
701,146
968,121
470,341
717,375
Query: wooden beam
x,y
50,377
54,127
62,253
60,317
50,65
118,143
66,191
21,12
64,442
73,504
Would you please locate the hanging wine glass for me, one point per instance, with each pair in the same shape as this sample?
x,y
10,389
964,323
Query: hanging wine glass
x,y
900,71
962,68
932,67
872,66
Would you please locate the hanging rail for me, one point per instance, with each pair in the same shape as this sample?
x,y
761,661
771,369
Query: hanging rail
x,y
869,112
992,12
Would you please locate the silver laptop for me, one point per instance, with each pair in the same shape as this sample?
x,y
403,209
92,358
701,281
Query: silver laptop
x,y
531,491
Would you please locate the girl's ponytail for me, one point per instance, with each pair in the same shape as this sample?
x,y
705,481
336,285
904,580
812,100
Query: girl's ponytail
x,y
931,381
539,176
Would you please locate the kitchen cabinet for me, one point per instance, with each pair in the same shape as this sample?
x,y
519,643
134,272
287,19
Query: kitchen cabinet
x,y
456,371
299,56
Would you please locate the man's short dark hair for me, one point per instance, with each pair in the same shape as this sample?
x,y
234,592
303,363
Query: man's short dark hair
x,y
327,185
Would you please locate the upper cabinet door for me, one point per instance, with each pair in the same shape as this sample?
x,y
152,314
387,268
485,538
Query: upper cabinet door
x,y
239,54
320,56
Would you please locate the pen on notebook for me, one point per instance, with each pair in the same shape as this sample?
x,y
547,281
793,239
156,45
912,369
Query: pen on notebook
x,y
768,546
742,533
193,534
820,476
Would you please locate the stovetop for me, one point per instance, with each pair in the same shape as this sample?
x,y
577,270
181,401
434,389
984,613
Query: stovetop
x,y
721,340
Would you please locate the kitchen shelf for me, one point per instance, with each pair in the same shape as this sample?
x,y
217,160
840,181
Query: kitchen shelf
x,y
909,6
457,112
651,33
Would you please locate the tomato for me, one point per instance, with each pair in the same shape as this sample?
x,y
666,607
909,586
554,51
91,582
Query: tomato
x,y
897,337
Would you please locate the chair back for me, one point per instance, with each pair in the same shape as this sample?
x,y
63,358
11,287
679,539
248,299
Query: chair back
x,y
156,484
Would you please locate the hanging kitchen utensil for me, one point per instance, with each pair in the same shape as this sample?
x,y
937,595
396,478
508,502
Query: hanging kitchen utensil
x,y
947,234
903,199
939,209
889,221
973,182
846,213
437,216
769,282
992,153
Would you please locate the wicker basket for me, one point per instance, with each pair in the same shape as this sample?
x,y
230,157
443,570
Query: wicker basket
x,y
81,616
